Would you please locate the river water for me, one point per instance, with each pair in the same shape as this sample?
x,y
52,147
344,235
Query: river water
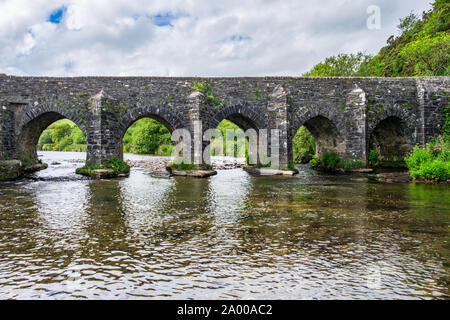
x,y
231,236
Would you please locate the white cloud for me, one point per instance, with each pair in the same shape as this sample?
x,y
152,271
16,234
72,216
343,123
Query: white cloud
x,y
188,38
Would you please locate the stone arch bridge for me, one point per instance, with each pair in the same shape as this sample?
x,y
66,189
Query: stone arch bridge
x,y
345,115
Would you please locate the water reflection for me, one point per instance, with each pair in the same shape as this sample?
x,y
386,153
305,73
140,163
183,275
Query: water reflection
x,y
231,236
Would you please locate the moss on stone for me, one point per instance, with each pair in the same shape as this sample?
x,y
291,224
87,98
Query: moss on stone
x,y
114,167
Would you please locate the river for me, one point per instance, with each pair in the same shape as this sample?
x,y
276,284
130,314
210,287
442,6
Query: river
x,y
232,236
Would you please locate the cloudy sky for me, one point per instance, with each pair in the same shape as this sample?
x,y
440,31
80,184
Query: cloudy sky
x,y
188,38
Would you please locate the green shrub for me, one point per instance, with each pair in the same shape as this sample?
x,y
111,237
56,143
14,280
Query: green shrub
x,y
329,161
148,135
291,166
374,158
183,166
164,150
433,170
116,166
431,162
205,88
344,164
417,158
62,135
315,161
446,126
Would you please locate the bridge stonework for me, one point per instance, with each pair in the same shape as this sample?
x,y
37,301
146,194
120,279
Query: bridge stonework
x,y
345,115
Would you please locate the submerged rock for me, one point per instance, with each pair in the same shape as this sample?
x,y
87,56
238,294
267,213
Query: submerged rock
x,y
10,170
192,173
35,167
269,171
14,169
393,177
101,173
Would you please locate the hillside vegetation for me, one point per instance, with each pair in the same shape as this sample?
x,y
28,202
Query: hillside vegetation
x,y
421,49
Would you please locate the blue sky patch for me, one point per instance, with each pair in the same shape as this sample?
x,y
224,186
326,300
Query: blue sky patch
x,y
68,66
239,37
165,19
57,15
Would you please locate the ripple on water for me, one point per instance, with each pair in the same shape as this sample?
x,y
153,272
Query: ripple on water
x,y
230,236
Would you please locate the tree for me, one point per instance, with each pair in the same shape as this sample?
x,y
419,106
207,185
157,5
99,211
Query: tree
x,y
428,56
78,136
422,49
45,138
60,131
408,22
149,135
342,65
304,146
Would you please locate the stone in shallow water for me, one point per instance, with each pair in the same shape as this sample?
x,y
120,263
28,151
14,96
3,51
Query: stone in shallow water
x,y
10,169
36,167
393,177
270,171
192,173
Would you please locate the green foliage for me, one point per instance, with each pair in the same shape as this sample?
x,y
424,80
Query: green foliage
x,y
183,166
60,131
446,125
331,161
427,56
342,65
223,127
45,138
374,158
205,88
315,161
422,49
408,22
62,135
291,166
149,135
344,164
64,143
164,150
432,162
78,136
115,165
10,176
304,146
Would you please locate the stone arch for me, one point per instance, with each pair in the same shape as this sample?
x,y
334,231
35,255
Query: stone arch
x,y
398,110
35,121
326,133
169,118
392,138
250,121
242,115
